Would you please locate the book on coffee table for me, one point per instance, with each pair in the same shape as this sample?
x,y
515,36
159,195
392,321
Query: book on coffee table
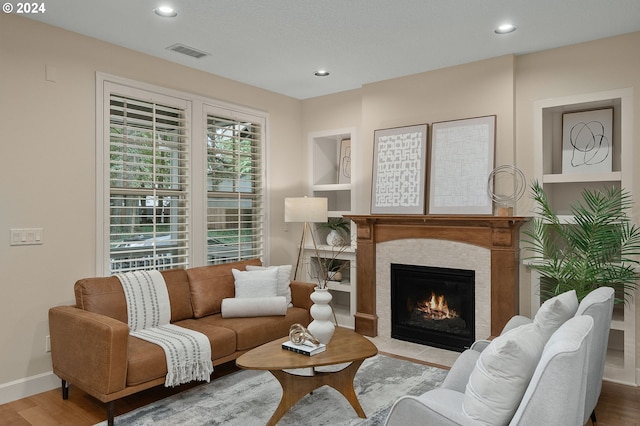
x,y
305,349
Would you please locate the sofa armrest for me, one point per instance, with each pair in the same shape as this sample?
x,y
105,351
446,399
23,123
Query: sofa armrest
x,y
89,349
301,294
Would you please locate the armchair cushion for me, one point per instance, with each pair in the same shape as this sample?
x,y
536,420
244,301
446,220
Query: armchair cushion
x,y
501,375
555,312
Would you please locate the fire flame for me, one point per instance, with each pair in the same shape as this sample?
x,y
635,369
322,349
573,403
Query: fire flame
x,y
436,308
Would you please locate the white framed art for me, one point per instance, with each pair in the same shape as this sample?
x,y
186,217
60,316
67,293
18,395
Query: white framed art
x,y
587,138
344,161
399,170
462,157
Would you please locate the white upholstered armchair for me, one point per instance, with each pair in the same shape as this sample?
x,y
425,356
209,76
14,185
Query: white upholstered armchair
x,y
446,405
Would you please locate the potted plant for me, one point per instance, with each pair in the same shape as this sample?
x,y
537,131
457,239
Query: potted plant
x,y
597,247
338,230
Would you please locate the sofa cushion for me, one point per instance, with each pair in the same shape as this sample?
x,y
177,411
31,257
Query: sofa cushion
x,y
147,361
104,295
501,375
284,279
255,283
253,307
252,332
555,312
210,284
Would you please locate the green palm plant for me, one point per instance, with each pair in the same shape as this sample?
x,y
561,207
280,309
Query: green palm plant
x,y
599,247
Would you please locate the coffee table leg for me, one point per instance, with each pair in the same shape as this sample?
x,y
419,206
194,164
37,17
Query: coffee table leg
x,y
295,387
342,381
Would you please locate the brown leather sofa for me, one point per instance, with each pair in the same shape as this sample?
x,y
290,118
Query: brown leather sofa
x,y
91,347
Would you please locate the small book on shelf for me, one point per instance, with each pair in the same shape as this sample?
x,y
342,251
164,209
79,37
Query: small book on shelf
x,y
305,349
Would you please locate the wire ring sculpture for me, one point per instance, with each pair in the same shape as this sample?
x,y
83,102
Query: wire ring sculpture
x,y
298,334
519,185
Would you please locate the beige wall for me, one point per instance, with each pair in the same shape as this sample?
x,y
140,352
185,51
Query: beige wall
x,y
47,177
505,86
47,147
612,63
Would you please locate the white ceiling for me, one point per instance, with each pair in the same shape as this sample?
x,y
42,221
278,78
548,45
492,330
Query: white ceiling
x,y
278,44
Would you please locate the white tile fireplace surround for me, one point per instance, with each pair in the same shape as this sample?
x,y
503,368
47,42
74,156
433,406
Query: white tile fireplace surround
x,y
438,253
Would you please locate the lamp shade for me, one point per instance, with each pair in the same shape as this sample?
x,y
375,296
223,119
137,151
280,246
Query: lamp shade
x,y
305,209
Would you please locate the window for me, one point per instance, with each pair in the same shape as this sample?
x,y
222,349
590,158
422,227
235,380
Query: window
x,y
148,185
161,203
234,189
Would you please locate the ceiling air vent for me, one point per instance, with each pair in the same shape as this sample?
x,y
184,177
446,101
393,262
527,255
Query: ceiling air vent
x,y
186,50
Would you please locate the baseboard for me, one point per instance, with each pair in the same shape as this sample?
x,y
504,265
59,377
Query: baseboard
x,y
28,386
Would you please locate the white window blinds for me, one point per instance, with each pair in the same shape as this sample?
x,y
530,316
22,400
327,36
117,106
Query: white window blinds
x,y
148,184
235,212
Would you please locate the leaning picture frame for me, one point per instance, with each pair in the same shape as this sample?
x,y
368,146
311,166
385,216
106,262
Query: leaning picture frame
x,y
344,162
399,170
462,158
587,141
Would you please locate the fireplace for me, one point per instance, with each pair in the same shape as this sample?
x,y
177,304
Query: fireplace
x,y
498,234
433,306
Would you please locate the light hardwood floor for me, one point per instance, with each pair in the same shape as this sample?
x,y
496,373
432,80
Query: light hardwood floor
x,y
619,405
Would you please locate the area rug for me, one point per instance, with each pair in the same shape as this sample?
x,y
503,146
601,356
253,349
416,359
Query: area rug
x,y
249,397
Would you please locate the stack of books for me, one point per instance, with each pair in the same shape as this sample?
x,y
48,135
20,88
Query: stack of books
x,y
305,348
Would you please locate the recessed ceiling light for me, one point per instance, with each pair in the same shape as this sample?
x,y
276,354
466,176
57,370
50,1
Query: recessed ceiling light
x,y
505,29
321,73
166,11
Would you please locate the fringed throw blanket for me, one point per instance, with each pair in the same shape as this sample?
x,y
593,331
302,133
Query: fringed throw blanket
x,y
188,352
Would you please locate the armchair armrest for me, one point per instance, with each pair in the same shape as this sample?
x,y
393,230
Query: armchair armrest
x,y
301,294
437,407
88,349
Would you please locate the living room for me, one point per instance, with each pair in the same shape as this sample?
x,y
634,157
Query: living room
x,y
49,147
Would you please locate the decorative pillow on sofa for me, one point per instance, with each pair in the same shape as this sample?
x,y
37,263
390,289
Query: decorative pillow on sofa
x,y
501,375
283,277
555,312
255,283
253,307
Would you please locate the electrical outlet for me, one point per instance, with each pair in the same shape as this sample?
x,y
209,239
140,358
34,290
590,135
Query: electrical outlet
x,y
47,344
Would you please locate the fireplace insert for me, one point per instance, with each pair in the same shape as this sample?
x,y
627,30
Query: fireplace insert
x,y
433,306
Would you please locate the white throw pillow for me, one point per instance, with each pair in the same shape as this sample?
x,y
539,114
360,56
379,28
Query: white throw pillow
x,y
253,307
284,279
501,375
255,283
555,312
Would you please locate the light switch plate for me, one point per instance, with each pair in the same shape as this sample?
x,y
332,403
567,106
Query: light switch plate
x,y
27,236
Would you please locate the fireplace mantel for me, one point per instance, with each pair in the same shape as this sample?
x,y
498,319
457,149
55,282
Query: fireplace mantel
x,y
499,234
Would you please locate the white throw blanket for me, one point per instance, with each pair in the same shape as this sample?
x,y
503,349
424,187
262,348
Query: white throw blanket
x,y
188,352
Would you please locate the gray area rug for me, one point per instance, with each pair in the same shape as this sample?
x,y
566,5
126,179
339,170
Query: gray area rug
x,y
249,397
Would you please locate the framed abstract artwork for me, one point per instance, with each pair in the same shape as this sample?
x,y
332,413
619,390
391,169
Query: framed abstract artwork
x,y
344,162
587,141
462,157
399,170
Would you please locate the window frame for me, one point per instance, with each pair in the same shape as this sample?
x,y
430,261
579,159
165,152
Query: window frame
x,y
196,114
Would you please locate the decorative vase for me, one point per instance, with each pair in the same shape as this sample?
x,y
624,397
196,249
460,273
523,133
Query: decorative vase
x,y
321,327
334,238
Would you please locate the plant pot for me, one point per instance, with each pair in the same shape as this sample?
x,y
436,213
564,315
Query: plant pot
x,y
321,327
334,238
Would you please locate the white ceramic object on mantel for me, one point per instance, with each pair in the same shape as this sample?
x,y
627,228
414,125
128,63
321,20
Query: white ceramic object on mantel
x,y
334,238
321,327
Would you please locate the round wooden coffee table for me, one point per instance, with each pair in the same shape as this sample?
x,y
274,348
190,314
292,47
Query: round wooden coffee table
x,y
345,346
